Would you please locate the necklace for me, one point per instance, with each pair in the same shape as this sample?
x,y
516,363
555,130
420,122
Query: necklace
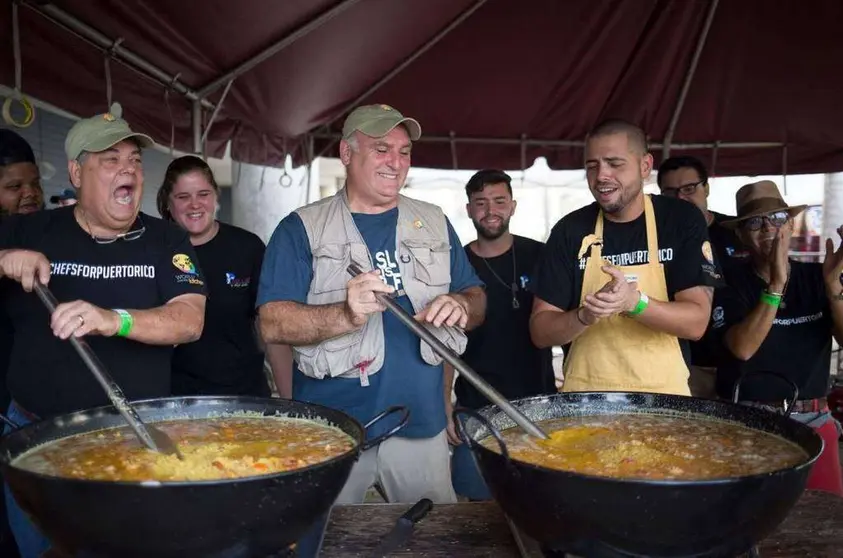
x,y
513,287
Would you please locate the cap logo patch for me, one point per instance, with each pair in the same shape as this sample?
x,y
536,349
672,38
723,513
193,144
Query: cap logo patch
x,y
108,117
386,107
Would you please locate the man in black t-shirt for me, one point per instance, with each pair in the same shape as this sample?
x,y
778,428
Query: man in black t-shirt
x,y
778,316
625,281
686,178
124,280
499,350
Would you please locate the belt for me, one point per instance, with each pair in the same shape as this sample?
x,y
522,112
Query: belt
x,y
819,405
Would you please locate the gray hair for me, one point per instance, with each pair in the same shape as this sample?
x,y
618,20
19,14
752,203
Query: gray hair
x,y
352,142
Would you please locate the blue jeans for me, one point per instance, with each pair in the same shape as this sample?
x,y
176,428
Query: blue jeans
x,y
31,543
466,477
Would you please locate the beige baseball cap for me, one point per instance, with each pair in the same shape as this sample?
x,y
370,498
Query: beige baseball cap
x,y
100,132
377,121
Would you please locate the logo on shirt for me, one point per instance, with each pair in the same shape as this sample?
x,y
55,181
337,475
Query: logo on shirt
x,y
391,275
74,269
717,317
236,282
707,253
733,252
183,264
638,257
524,280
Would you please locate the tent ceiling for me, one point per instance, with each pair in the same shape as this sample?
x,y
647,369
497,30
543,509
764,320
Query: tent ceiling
x,y
543,71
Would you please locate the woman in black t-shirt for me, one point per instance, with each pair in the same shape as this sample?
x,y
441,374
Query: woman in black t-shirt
x,y
228,358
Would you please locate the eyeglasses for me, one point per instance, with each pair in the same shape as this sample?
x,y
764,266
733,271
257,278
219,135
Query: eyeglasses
x,y
777,220
685,190
128,236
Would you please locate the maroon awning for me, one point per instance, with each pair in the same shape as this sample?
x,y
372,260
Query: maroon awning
x,y
509,82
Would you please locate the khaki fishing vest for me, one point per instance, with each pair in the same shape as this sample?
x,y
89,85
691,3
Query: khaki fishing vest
x,y
422,247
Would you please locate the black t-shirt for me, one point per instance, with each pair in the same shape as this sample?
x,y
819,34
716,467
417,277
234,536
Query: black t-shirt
x,y
729,253
45,374
684,250
500,350
799,342
226,360
728,248
7,333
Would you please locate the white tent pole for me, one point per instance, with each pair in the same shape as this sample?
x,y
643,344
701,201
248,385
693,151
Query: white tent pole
x,y
689,77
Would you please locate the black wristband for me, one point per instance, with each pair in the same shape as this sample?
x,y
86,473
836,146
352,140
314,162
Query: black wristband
x,y
583,322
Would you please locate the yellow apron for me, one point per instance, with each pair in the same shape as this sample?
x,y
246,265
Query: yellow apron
x,y
619,353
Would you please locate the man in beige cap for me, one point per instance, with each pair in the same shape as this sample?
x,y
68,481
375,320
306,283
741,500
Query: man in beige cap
x,y
349,354
124,280
777,318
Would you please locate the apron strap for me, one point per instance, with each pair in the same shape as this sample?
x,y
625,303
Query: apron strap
x,y
652,233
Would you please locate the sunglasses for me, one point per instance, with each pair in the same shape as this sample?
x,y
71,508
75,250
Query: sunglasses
x,y
685,190
777,220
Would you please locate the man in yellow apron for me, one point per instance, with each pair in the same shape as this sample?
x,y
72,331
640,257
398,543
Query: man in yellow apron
x,y
627,280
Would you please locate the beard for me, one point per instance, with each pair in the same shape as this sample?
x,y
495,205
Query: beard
x,y
490,233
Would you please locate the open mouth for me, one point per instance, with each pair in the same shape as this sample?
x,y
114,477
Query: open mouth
x,y
605,191
388,176
28,207
124,194
195,216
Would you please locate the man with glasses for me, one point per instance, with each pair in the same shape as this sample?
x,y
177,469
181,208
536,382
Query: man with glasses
x,y
777,318
125,281
686,178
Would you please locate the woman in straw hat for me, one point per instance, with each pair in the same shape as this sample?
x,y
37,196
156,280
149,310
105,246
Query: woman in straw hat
x,y
779,315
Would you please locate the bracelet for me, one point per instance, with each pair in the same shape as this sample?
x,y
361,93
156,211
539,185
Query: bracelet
x,y
126,323
773,299
643,302
583,322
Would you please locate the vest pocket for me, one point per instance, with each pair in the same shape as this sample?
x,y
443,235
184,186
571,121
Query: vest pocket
x,y
431,261
330,264
331,358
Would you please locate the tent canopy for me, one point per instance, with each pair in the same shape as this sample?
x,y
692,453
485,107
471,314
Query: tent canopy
x,y
494,83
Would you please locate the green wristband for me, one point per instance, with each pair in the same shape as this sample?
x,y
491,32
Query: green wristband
x,y
773,300
643,302
126,323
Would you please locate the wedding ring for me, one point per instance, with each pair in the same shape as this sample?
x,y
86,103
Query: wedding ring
x,y
81,320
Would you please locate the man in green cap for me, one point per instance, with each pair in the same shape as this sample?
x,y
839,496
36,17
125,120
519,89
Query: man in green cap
x,y
125,281
349,354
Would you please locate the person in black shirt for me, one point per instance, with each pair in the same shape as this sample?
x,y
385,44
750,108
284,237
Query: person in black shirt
x,y
779,316
20,193
626,281
124,280
20,181
500,349
686,178
227,359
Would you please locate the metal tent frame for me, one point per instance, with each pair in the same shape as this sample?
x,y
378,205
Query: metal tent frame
x,y
113,48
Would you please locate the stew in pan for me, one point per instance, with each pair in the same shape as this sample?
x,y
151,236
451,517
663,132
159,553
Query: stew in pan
x,y
651,446
213,449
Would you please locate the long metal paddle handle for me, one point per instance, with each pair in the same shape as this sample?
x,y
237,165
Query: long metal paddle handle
x,y
451,358
115,394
